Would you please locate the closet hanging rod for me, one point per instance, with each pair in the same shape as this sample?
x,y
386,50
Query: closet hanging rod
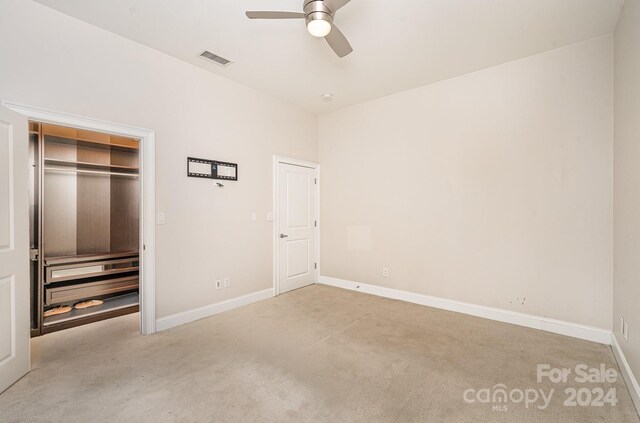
x,y
91,172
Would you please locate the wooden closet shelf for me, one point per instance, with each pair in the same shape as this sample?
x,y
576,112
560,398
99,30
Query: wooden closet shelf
x,y
53,261
95,139
129,301
90,143
88,165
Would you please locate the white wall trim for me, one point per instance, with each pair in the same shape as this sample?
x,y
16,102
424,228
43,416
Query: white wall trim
x,y
212,309
575,330
148,195
627,374
296,162
276,231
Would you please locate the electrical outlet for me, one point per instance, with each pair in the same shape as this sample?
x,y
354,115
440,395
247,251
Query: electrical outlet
x,y
218,284
227,282
385,272
626,331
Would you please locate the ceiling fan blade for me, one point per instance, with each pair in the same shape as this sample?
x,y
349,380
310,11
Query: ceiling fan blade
x,y
274,15
338,42
334,5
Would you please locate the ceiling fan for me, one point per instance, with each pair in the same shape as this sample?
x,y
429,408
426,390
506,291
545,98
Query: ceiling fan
x,y
319,17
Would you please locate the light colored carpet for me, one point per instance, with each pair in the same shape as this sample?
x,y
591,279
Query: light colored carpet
x,y
316,354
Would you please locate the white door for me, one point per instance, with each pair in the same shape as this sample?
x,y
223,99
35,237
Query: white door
x,y
14,248
296,226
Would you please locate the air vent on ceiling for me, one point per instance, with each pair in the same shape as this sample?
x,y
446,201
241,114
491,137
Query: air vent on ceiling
x,y
215,58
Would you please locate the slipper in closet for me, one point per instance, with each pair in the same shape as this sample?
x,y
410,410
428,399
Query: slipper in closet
x,y
57,310
87,304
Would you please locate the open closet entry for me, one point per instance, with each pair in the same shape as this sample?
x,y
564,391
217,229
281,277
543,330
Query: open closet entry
x,y
84,226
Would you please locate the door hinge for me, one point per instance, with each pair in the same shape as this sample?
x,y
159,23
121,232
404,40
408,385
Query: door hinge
x,y
315,181
144,247
315,266
315,223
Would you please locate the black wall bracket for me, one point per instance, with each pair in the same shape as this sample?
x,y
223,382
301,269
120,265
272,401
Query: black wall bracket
x,y
211,169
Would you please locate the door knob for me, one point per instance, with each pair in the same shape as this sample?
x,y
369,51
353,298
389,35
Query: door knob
x,y
283,236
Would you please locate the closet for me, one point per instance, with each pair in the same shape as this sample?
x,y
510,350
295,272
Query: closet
x,y
84,218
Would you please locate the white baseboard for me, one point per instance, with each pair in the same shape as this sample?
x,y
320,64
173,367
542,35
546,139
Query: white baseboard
x,y
206,311
629,378
575,330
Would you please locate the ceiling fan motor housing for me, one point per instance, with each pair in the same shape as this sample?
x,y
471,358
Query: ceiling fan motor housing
x,y
316,10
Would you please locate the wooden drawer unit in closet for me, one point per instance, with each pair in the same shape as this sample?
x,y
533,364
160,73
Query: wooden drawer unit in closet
x,y
88,266
71,293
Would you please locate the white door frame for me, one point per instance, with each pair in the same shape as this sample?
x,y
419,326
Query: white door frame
x,y
276,254
148,204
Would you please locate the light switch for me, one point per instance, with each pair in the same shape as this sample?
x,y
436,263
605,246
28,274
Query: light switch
x,y
254,217
269,217
160,219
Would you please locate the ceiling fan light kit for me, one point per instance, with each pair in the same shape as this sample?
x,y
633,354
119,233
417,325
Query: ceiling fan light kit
x,y
318,15
318,27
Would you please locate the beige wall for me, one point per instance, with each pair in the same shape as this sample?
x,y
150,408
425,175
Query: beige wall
x,y
493,188
56,62
501,193
626,288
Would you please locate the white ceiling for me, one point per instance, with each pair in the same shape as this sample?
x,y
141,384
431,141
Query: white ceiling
x,y
398,44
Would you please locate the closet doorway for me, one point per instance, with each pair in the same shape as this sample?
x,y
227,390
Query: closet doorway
x,y
92,207
84,192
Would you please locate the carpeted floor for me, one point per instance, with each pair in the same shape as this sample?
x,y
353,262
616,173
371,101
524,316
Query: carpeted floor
x,y
316,354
